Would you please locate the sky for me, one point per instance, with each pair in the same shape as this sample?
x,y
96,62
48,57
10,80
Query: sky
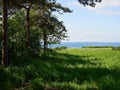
x,y
87,24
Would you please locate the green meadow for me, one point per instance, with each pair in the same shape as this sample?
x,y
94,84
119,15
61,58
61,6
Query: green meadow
x,y
66,69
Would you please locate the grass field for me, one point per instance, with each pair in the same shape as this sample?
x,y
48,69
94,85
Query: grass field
x,y
68,69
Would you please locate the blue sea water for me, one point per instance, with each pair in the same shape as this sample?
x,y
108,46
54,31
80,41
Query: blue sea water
x,y
83,44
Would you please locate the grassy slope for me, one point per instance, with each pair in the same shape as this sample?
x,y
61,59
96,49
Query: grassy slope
x,y
73,69
98,68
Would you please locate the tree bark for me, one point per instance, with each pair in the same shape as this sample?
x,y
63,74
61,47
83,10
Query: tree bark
x,y
45,41
28,26
4,60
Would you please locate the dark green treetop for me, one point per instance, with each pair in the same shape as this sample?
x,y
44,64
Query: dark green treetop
x,y
91,3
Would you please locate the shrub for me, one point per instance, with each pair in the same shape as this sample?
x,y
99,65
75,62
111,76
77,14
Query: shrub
x,y
37,84
116,48
60,48
63,47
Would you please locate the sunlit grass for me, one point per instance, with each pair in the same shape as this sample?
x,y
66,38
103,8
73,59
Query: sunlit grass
x,y
67,69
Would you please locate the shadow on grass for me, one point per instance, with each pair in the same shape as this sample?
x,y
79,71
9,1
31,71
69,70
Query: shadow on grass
x,y
66,72
68,68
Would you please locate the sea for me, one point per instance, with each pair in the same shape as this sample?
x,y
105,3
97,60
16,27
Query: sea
x,y
84,44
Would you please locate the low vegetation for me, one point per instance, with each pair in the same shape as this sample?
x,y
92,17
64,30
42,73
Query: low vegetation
x,y
116,48
98,47
67,69
60,48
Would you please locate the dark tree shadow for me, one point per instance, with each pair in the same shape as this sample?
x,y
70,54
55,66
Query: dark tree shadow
x,y
60,68
63,68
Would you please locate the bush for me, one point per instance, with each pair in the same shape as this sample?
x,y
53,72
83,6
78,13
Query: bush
x,y
63,47
38,84
5,80
60,48
116,48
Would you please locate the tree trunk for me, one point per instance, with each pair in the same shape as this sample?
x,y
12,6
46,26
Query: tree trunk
x,y
45,41
28,26
4,60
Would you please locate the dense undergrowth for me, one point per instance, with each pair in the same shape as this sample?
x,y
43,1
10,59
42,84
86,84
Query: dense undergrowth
x,y
67,69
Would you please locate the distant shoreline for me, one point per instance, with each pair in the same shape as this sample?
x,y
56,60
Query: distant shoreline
x,y
84,44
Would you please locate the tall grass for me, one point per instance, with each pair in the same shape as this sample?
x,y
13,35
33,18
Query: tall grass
x,y
67,69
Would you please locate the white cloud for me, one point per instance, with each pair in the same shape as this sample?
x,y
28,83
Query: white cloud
x,y
109,4
108,12
107,7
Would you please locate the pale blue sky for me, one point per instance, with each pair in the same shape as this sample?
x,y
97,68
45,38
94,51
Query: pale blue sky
x,y
86,24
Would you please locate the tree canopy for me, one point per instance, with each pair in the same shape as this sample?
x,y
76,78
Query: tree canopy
x,y
91,3
52,29
44,21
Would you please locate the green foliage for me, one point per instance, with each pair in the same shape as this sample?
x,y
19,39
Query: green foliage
x,y
17,39
116,48
91,3
72,69
60,48
17,31
38,84
98,47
